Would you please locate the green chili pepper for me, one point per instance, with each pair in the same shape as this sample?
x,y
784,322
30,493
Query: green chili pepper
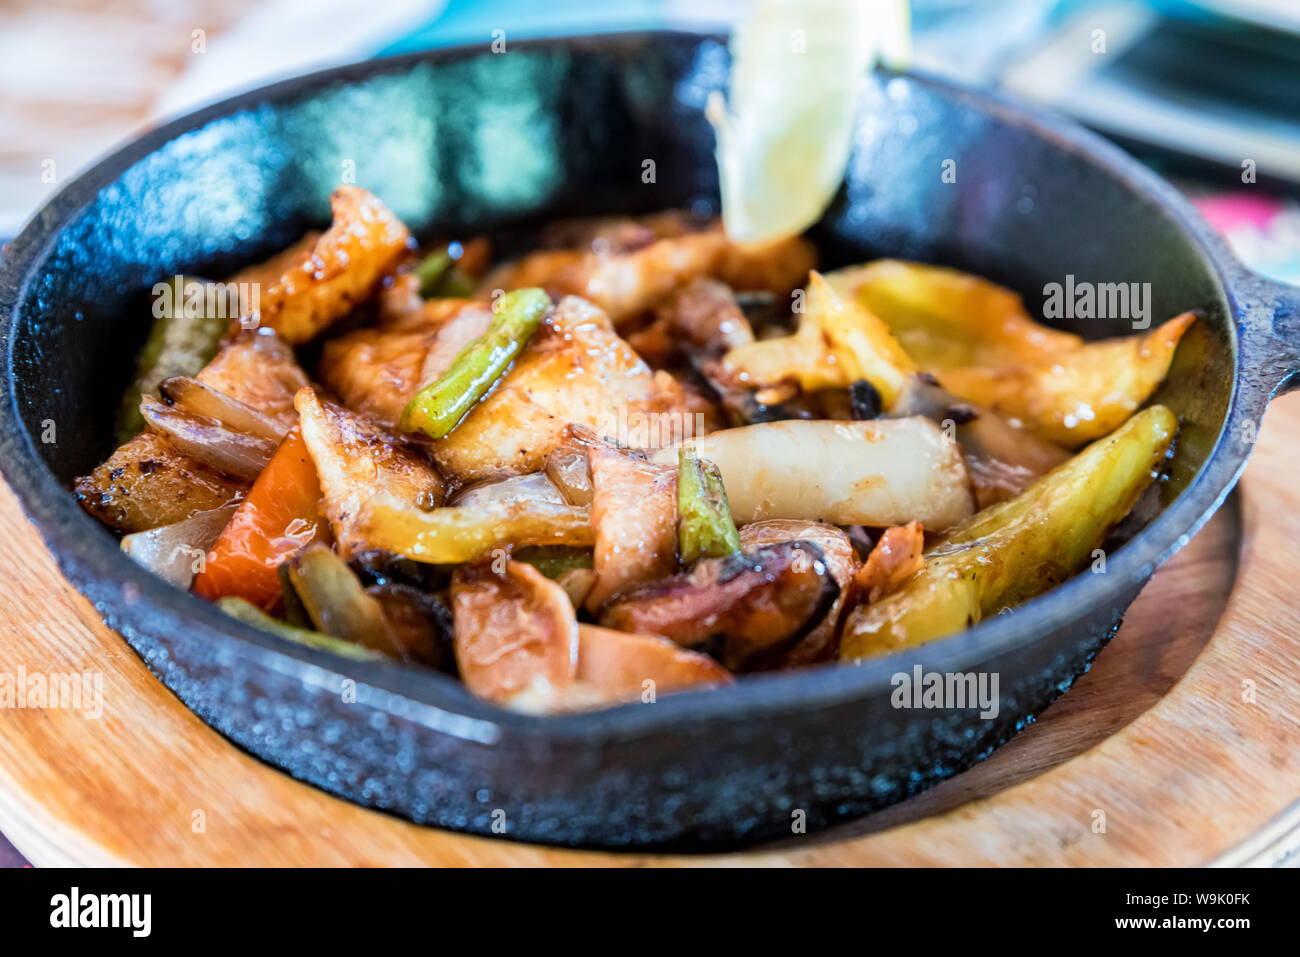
x,y
554,560
250,614
704,523
440,278
440,405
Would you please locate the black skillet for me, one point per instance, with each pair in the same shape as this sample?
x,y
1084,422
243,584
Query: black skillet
x,y
464,140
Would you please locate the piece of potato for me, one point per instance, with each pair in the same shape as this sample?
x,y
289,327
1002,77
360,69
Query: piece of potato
x,y
837,343
323,284
359,464
633,521
881,472
1081,395
446,536
626,284
1020,548
147,483
514,630
946,318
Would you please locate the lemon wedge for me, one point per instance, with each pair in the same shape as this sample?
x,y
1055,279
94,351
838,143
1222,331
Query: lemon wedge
x,y
797,70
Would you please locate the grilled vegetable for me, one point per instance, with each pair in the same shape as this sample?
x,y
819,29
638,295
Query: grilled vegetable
x,y
193,397
1080,395
945,318
704,521
837,343
279,517
1003,459
445,536
439,407
208,441
181,341
337,603
879,473
176,552
758,603
252,615
420,624
533,487
1017,549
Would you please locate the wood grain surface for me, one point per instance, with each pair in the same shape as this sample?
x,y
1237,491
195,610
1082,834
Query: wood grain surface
x,y
1181,746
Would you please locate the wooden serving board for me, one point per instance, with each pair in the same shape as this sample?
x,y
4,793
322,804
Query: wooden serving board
x,y
1184,739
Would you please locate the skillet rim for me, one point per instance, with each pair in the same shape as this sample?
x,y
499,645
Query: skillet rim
x,y
140,605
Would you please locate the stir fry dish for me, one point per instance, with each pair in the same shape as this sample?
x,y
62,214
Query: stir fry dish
x,y
637,459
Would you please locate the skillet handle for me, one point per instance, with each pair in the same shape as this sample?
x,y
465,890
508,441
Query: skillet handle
x,y
1271,333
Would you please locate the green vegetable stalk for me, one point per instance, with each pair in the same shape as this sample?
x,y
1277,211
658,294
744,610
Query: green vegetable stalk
x,y
1012,551
704,523
250,614
440,405
440,278
181,342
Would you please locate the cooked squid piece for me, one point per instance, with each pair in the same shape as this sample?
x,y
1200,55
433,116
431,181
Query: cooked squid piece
x,y
515,630
626,284
1017,549
879,473
360,464
519,644
345,264
757,604
633,521
898,555
700,320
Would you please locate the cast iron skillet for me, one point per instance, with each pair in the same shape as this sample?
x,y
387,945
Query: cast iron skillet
x,y
464,140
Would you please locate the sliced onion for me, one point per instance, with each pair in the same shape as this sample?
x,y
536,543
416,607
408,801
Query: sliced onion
x,y
176,552
568,470
534,487
208,441
192,396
